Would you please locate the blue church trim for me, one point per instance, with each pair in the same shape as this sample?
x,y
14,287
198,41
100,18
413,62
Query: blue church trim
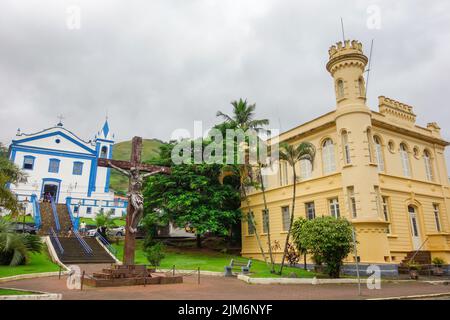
x,y
54,134
50,152
58,181
108,170
93,172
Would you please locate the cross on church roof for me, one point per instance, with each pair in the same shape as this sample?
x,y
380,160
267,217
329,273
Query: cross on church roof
x,y
60,118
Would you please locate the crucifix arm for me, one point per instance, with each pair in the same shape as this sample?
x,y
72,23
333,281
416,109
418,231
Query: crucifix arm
x,y
145,175
119,169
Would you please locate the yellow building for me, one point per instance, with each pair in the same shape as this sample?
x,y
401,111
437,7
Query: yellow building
x,y
378,169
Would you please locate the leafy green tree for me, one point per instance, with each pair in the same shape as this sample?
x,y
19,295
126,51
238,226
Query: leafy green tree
x,y
155,253
243,118
292,155
326,238
9,174
193,196
15,248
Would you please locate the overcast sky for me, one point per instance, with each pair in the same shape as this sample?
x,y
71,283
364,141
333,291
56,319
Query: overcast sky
x,y
155,66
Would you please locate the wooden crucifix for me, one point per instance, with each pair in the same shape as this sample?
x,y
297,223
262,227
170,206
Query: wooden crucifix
x,y
136,171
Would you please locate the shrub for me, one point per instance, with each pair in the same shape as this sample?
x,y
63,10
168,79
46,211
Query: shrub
x,y
154,253
437,261
15,247
327,239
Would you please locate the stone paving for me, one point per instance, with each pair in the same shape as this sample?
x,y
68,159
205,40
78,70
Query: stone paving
x,y
227,288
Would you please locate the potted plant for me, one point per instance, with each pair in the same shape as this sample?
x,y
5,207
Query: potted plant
x,y
437,266
414,269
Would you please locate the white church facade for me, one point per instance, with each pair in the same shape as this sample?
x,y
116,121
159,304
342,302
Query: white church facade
x,y
59,163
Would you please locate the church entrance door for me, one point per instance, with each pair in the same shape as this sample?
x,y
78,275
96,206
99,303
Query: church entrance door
x,y
51,189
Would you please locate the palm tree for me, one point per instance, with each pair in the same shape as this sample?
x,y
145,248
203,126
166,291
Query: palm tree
x,y
243,119
9,174
16,247
292,155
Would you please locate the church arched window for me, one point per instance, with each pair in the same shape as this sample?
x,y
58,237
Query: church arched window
x,y
328,159
340,88
104,152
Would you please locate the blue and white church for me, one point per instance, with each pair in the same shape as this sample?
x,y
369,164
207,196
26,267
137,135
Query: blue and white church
x,y
57,162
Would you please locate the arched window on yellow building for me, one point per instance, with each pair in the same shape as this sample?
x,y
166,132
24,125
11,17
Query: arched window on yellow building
x,y
379,153
305,169
361,87
404,156
346,147
328,159
340,88
428,166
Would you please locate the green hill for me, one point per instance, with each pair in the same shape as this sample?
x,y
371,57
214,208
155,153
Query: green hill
x,y
122,151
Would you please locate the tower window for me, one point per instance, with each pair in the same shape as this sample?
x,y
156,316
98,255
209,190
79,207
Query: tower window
x,y
104,152
352,201
340,88
361,87
346,148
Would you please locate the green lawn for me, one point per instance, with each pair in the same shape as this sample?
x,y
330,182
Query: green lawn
x,y
11,292
19,218
207,260
39,262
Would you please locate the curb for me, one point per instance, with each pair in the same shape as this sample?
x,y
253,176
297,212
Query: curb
x,y
32,275
312,281
205,273
41,295
419,296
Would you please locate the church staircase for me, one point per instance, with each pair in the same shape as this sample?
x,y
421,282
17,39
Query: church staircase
x,y
75,253
48,220
70,248
421,257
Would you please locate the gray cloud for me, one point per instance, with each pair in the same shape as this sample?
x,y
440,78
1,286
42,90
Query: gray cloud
x,y
155,66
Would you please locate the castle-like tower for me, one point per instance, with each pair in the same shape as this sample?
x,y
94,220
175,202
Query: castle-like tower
x,y
360,179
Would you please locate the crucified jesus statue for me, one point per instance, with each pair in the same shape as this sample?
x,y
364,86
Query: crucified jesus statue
x,y
136,171
135,192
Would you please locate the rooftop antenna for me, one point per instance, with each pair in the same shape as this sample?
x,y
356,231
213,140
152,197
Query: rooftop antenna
x,y
368,68
342,28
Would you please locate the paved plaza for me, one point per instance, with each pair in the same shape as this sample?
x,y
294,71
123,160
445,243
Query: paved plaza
x,y
219,288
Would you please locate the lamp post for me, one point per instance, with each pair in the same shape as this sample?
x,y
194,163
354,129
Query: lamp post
x,y
25,205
